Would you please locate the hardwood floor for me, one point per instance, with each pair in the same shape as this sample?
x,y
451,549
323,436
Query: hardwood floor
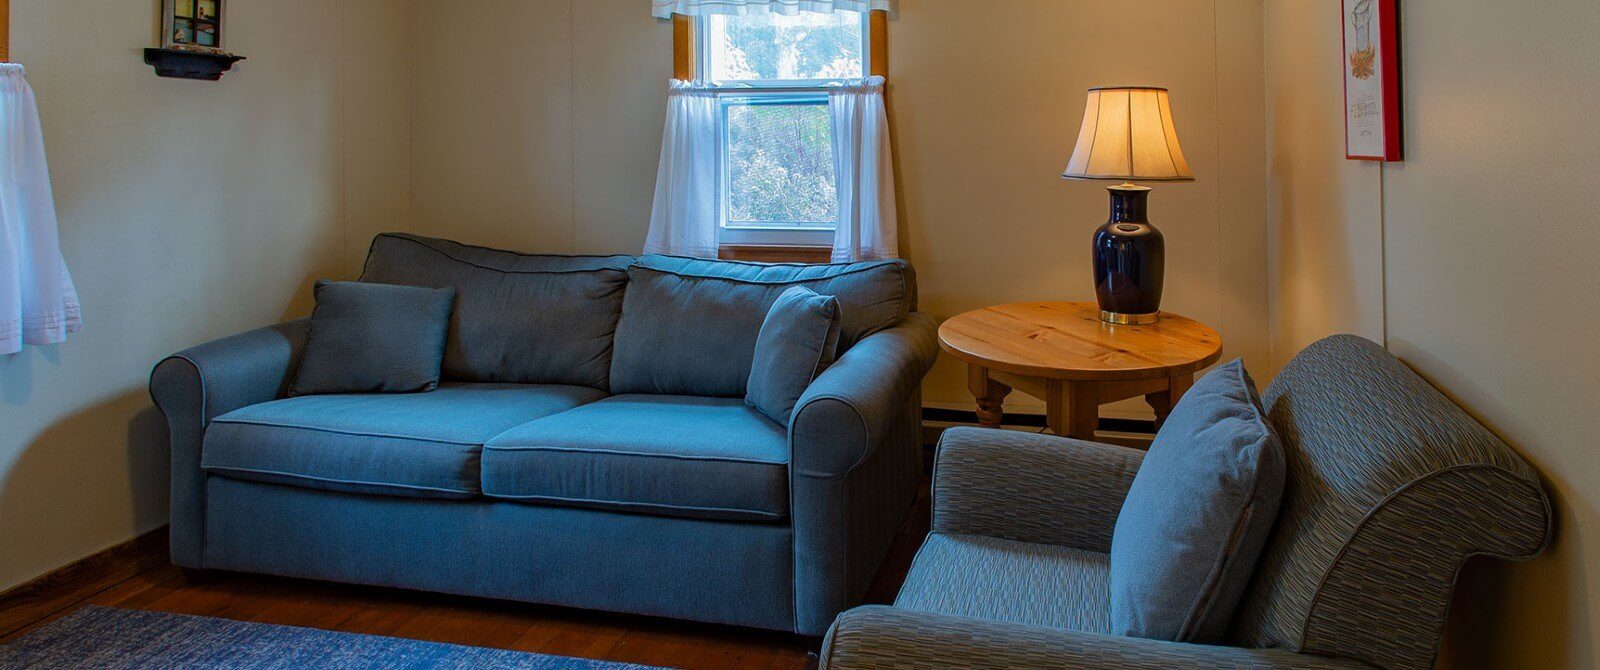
x,y
459,620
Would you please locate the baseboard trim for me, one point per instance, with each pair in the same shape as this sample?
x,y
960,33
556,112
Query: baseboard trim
x,y
963,417
63,587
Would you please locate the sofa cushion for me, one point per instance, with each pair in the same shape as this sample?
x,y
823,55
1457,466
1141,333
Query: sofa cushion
x,y
389,249
526,319
1197,515
420,445
689,326
799,338
374,338
1006,580
712,458
873,295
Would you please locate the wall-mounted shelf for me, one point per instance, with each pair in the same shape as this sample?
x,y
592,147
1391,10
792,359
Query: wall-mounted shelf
x,y
187,64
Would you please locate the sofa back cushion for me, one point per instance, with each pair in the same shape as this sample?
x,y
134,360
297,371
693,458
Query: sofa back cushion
x,y
519,318
689,326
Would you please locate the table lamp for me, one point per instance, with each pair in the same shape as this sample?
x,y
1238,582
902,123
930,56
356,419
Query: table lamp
x,y
1128,135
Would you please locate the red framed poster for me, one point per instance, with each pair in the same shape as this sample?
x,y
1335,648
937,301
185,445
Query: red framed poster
x,y
1372,126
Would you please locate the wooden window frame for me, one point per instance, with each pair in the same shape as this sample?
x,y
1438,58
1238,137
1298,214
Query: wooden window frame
x,y
5,31
684,58
684,63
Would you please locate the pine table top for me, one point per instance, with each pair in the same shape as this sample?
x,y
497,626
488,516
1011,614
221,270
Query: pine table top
x,y
1067,340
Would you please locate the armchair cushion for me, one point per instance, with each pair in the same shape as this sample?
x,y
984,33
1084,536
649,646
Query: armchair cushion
x,y
1004,580
374,338
1198,514
421,445
885,638
799,338
712,458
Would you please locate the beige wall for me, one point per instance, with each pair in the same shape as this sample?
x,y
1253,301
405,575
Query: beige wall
x,y
1491,251
543,132
1325,257
188,211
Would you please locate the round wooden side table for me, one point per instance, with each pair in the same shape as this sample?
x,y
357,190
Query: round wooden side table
x,y
1062,353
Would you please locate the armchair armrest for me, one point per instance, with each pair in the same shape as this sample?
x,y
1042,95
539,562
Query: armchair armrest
x,y
873,638
1031,488
853,453
193,387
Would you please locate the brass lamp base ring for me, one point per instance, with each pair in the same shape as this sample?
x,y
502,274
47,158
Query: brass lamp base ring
x,y
1129,319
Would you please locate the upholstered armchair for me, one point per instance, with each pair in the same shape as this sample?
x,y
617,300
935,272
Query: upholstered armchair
x,y
1390,489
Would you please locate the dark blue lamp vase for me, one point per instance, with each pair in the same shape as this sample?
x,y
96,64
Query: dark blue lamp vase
x,y
1129,260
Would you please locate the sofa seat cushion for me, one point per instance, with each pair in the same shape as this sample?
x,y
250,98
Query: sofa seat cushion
x,y
1005,580
713,458
420,445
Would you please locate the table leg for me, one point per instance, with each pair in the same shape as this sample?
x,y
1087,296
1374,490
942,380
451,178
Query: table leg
x,y
990,395
1163,401
1072,410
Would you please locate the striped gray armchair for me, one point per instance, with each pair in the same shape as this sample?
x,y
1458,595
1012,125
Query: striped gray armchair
x,y
1391,488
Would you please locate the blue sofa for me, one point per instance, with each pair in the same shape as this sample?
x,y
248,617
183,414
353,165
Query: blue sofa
x,y
589,445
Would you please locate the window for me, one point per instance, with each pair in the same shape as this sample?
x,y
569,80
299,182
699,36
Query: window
x,y
193,23
776,180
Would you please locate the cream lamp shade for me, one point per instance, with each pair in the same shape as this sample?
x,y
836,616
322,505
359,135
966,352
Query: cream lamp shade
x,y
1128,135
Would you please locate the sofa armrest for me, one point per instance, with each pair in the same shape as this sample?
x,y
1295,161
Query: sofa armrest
x,y
1031,488
881,638
843,414
196,385
849,415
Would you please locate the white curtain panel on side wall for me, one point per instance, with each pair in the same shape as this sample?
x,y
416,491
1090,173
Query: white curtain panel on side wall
x,y
683,217
864,165
666,8
38,304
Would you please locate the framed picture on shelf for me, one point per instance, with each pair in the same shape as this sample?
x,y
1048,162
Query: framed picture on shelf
x,y
192,24
1372,122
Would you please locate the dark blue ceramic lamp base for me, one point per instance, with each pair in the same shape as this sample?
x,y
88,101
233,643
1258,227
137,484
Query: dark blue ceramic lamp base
x,y
1129,260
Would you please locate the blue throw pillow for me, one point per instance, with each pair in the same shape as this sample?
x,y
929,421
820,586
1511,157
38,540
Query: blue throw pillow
x,y
1198,514
374,338
799,338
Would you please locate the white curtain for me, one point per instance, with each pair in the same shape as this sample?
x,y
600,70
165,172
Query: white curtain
x,y
683,217
665,8
864,169
38,304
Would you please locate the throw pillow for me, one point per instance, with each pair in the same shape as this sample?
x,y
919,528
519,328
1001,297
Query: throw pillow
x,y
799,337
374,338
1197,515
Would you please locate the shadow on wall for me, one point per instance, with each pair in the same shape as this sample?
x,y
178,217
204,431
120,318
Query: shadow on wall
x,y
1499,606
1550,588
89,480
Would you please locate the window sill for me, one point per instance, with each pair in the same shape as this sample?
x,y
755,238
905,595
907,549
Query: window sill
x,y
775,253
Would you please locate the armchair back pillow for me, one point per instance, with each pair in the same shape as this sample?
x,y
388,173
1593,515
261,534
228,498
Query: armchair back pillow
x,y
1198,514
374,338
798,339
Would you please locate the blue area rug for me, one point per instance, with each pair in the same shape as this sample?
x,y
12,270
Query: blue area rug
x,y
117,639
